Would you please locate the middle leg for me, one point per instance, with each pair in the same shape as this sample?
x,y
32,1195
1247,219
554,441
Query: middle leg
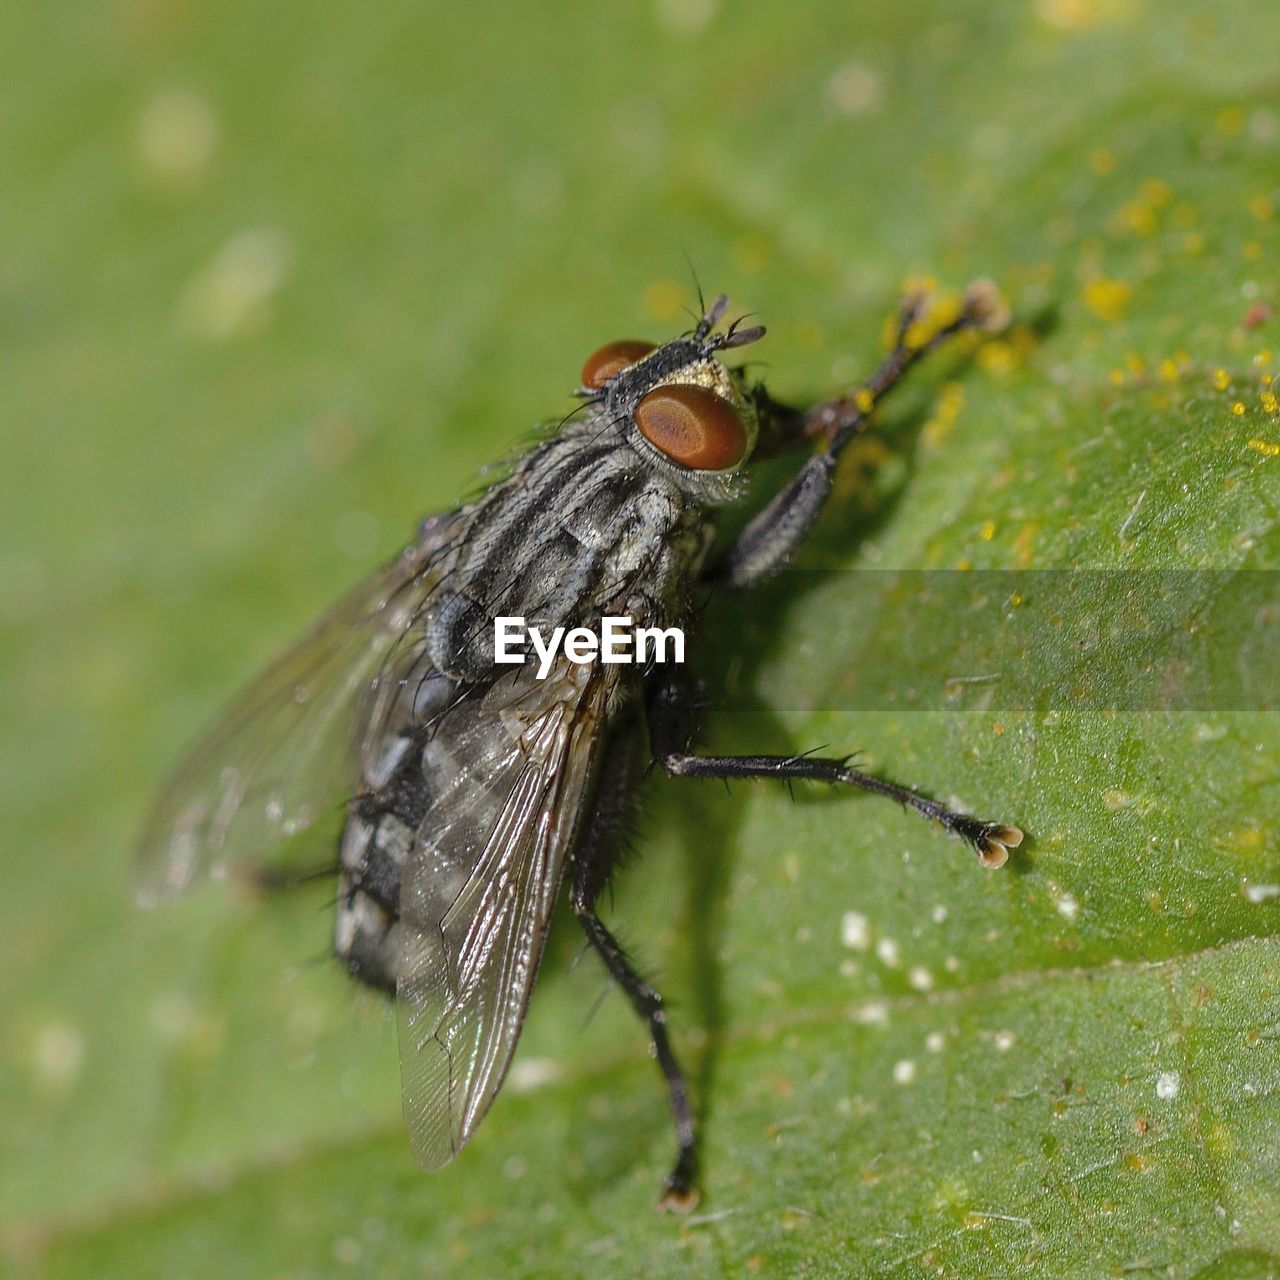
x,y
603,841
671,730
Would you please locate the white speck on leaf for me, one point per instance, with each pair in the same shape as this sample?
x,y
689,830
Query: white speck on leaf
x,y
854,89
59,1053
230,296
855,931
1168,1083
1133,511
348,1250
873,1012
533,1073
686,18
177,136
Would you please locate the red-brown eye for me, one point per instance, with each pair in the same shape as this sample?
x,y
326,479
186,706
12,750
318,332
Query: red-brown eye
x,y
612,358
692,426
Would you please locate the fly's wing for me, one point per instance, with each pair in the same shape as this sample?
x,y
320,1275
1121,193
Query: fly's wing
x,y
282,755
513,770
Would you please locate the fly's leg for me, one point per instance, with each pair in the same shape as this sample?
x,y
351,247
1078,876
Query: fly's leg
x,y
768,540
603,841
670,732
276,880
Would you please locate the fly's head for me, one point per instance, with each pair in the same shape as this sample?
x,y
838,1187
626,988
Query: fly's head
x,y
677,408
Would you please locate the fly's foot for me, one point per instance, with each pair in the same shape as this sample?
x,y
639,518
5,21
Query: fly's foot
x,y
679,1195
991,840
985,307
928,315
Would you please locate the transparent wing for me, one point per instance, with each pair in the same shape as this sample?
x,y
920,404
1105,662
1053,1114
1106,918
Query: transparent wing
x,y
282,755
513,768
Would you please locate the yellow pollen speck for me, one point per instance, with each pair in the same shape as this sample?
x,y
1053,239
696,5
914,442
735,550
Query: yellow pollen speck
x,y
1230,120
1102,161
1140,217
751,253
1156,192
1069,15
1243,840
810,335
1106,298
1262,357
663,299
1024,544
996,357
1267,448
1116,377
1262,208
863,400
952,400
1221,380
950,403
1168,370
945,309
1003,354
1238,408
1252,250
988,530
1269,402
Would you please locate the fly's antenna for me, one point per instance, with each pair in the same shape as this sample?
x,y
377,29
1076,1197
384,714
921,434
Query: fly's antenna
x,y
711,317
697,284
707,317
735,335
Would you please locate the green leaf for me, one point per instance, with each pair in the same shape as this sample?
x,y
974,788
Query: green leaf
x,y
279,278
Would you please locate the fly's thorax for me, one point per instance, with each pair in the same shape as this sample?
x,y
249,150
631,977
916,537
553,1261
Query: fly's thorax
x,y
582,529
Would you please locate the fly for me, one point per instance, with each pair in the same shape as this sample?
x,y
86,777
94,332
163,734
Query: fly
x,y
471,791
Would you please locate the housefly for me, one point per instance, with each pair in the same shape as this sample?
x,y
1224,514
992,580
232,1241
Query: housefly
x,y
470,791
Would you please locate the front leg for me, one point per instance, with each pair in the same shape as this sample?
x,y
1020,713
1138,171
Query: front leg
x,y
671,730
769,540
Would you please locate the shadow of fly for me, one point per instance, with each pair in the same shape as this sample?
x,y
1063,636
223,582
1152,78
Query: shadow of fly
x,y
480,788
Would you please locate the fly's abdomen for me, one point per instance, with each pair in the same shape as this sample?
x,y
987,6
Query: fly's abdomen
x,y
376,841
383,827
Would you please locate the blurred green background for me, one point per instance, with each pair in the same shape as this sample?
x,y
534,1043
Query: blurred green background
x,y
275,280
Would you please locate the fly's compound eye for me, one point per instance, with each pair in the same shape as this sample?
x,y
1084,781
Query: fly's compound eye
x,y
692,426
611,359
